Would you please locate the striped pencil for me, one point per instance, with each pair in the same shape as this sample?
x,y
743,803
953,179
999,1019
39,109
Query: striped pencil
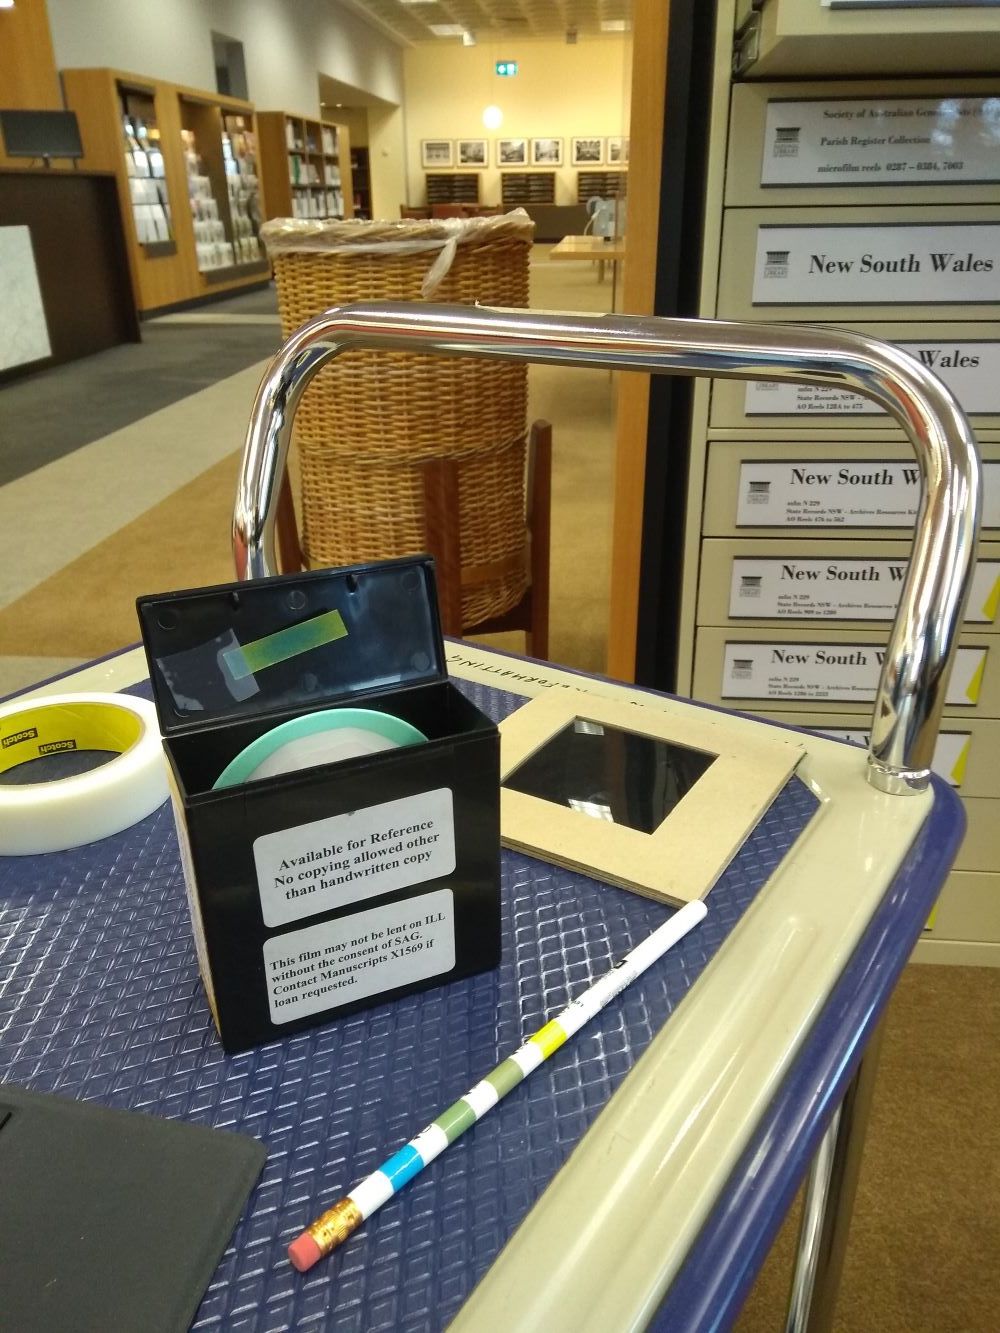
x,y
333,1228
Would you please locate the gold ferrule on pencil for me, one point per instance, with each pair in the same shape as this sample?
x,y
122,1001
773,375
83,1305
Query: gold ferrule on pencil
x,y
333,1228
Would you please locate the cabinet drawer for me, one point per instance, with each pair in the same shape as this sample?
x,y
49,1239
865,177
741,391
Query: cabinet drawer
x,y
754,581
980,849
833,670
778,488
868,264
856,143
806,38
969,907
966,356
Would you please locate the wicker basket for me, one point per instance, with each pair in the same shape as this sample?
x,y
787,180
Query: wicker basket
x,y
369,420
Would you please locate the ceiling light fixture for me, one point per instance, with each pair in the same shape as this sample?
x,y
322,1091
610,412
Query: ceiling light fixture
x,y
614,25
446,29
492,117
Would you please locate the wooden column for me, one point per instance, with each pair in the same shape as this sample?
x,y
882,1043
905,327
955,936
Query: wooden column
x,y
649,71
28,78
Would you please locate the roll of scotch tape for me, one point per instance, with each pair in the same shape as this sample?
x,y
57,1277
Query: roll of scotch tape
x,y
71,811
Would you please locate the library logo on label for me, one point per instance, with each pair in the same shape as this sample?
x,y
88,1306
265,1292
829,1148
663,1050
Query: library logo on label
x,y
759,492
786,141
750,585
776,263
742,668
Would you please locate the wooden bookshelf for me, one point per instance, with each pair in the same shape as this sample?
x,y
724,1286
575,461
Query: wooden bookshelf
x,y
453,187
606,184
305,167
527,187
111,107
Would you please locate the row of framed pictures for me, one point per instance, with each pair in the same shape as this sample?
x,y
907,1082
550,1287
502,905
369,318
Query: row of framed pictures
x,y
590,151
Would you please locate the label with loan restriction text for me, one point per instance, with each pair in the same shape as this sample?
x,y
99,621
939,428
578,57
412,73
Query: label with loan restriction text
x,y
337,962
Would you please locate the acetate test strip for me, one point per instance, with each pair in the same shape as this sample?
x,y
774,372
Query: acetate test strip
x,y
333,1228
248,658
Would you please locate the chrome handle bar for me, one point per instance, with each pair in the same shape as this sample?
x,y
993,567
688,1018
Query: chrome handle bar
x,y
915,670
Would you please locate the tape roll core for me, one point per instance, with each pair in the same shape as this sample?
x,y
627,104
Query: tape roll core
x,y
71,811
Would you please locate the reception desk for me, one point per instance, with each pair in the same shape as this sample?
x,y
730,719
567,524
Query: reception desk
x,y
63,271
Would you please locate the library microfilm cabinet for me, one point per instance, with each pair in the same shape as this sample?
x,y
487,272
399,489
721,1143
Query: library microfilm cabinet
x,y
885,799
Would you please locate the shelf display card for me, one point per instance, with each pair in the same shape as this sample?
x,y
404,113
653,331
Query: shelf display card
x,y
971,371
839,589
24,332
862,141
841,493
913,263
842,672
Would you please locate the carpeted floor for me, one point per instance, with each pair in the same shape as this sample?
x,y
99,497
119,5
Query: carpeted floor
x,y
100,502
45,416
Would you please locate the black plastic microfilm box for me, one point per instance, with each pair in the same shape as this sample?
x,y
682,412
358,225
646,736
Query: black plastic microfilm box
x,y
322,891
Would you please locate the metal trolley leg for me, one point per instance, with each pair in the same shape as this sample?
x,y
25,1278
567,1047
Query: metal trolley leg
x,y
829,1202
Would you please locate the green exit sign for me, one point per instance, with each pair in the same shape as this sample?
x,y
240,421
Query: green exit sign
x,y
508,68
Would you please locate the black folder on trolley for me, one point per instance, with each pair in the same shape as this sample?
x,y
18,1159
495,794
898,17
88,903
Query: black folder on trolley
x,y
112,1219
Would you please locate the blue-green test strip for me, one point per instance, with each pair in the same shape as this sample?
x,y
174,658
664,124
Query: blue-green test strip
x,y
248,658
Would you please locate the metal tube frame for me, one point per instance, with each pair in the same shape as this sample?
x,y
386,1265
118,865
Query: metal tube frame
x,y
911,690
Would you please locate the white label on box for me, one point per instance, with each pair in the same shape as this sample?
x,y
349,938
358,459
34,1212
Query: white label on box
x,y
347,858
915,263
951,750
971,371
337,962
832,671
861,141
841,493
837,589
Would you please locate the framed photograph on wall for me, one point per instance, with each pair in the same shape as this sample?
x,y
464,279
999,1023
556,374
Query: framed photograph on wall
x,y
586,152
512,152
436,153
472,152
617,152
546,152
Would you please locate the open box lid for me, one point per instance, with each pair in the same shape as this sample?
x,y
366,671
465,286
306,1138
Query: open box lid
x,y
239,649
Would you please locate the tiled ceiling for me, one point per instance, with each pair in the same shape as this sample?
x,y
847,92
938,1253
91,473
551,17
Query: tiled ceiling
x,y
412,20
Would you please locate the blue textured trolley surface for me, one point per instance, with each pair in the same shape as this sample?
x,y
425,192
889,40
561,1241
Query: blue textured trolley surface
x,y
100,998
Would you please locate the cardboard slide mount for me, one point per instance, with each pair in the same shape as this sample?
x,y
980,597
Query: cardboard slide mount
x,y
743,769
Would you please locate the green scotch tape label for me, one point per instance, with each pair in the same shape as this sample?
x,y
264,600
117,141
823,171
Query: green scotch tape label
x,y
249,658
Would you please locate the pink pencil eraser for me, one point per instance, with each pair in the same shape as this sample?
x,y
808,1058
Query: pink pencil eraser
x,y
304,1252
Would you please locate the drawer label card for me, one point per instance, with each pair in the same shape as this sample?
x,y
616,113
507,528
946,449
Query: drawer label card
x,y
825,588
330,863
861,141
841,493
337,962
915,263
971,371
845,672
951,750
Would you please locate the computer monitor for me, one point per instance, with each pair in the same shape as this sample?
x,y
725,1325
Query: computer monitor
x,y
44,134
